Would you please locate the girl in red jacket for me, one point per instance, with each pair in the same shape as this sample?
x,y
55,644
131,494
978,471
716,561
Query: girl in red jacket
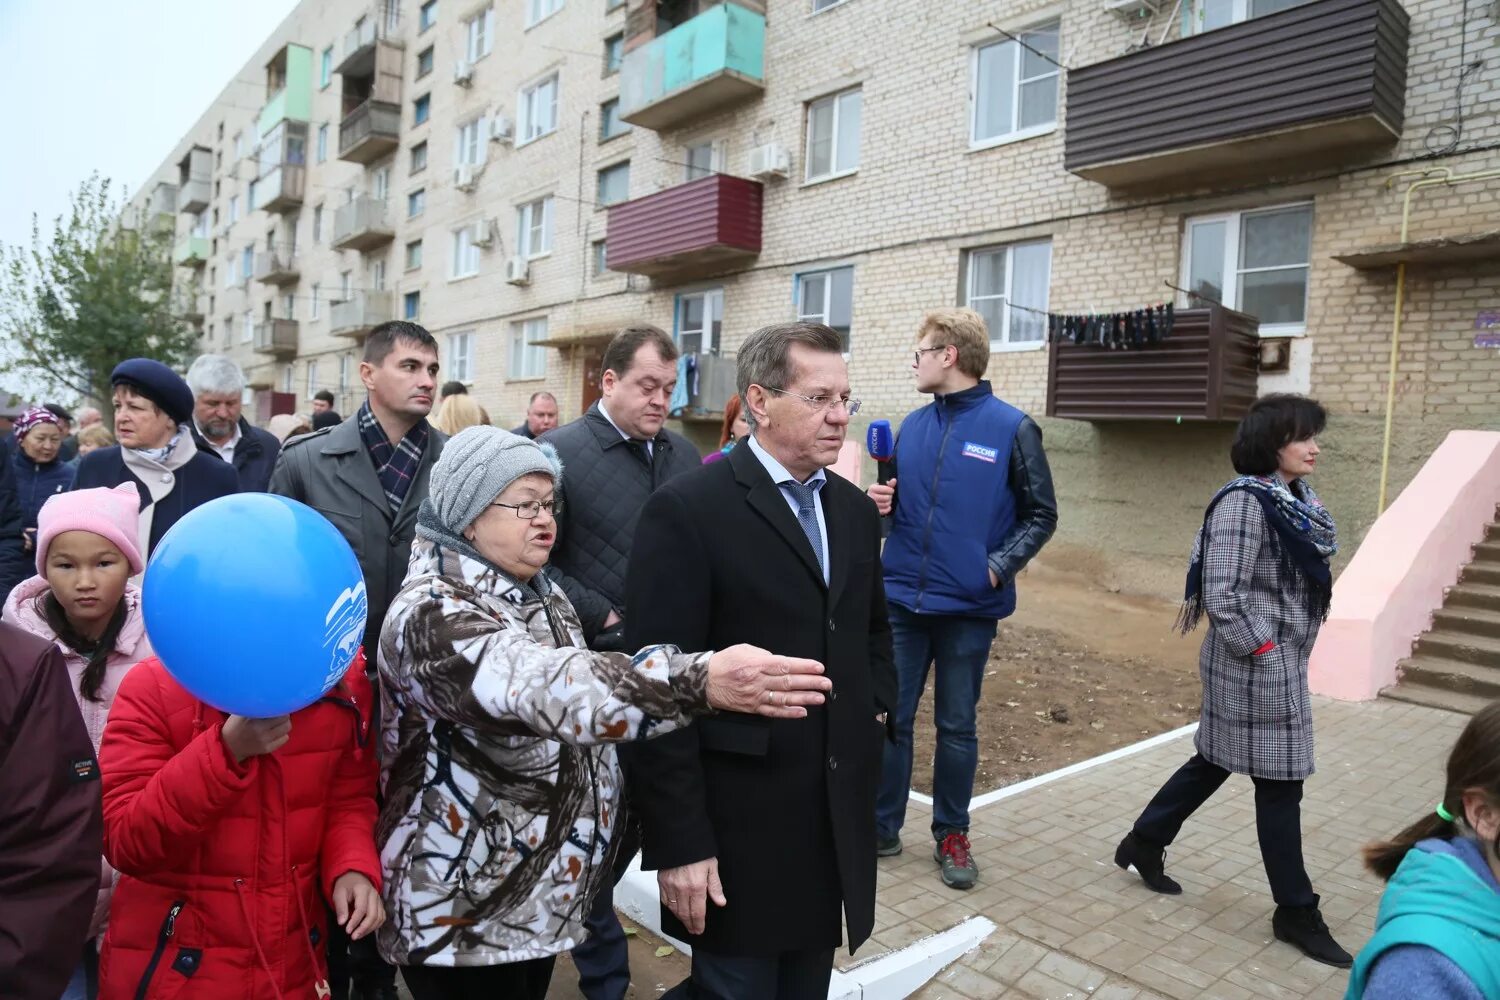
x,y
228,834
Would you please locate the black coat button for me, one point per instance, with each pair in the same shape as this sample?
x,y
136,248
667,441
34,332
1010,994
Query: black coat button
x,y
833,763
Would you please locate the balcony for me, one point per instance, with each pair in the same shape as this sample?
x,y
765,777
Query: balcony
x,y
1205,370
369,132
194,305
276,337
281,190
289,87
702,66
193,196
362,225
191,251
195,173
1311,85
277,266
704,226
360,314
163,200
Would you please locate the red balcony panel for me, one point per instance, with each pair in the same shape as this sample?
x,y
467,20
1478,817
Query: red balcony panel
x,y
710,224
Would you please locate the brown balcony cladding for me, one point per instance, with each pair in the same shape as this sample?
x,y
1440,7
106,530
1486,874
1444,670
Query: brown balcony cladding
x,y
277,266
276,337
1205,370
362,224
282,189
1304,85
707,225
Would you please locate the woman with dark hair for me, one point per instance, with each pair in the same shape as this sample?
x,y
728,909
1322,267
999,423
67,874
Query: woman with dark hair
x,y
1438,930
1259,571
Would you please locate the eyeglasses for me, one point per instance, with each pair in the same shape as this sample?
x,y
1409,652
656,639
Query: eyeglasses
x,y
531,509
916,356
823,403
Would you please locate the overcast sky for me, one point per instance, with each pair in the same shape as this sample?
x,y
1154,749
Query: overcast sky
x,y
109,85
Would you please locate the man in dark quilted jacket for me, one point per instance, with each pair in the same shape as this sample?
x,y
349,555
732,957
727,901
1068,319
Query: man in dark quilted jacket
x,y
614,457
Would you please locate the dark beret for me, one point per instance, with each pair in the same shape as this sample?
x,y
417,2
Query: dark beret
x,y
158,383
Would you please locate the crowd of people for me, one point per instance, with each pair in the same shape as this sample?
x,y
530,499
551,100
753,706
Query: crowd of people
x,y
587,641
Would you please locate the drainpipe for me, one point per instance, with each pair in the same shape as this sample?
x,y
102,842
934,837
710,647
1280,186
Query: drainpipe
x,y
1447,179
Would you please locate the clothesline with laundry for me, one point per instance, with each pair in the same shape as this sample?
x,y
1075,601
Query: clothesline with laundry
x,y
1129,329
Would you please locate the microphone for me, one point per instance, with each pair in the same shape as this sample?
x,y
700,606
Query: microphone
x,y
881,445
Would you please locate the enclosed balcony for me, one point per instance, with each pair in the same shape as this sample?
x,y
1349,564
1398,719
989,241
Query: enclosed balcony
x,y
195,173
276,337
289,86
193,305
191,251
369,132
707,63
362,224
709,225
277,266
1204,370
1309,85
163,200
360,313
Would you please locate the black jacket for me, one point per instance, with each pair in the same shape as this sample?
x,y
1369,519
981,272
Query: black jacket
x,y
606,481
787,806
254,457
203,478
15,562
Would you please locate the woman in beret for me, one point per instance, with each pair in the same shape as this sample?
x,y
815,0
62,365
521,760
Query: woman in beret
x,y
153,407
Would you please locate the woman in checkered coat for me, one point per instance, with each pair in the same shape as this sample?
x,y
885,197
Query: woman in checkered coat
x,y
1259,572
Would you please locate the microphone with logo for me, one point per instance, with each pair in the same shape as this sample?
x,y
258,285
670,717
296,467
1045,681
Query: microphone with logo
x,y
881,445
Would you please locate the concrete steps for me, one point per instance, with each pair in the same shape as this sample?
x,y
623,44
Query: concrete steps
x,y
1455,664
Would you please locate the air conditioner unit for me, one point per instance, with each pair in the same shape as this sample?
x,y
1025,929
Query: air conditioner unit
x,y
465,177
771,160
482,233
463,73
518,271
502,129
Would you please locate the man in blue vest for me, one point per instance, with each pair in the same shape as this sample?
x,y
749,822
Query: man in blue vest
x,y
974,506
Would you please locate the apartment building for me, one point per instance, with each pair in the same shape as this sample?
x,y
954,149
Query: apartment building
x,y
524,176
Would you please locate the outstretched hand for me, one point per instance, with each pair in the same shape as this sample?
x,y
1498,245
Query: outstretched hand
x,y
748,679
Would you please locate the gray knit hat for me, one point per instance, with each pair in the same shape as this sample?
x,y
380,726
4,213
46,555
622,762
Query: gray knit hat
x,y
476,466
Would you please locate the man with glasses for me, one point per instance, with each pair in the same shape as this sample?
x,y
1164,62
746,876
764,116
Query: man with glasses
x,y
763,833
614,457
974,506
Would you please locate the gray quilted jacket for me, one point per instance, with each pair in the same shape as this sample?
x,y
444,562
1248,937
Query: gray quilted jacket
x,y
605,483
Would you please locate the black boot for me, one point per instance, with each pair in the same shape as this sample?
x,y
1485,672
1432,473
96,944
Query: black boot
x,y
1148,860
1303,927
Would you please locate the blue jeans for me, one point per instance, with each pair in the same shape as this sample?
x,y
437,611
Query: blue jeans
x,y
960,647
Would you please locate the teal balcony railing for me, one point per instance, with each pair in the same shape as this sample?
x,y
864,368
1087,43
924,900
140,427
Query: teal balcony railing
x,y
699,67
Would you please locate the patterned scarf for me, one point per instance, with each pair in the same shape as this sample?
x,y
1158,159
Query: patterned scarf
x,y
1304,538
397,464
163,453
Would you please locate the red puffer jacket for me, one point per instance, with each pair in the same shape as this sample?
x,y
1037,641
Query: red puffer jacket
x,y
225,867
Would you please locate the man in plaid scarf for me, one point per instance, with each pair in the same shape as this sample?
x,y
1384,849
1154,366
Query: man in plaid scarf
x,y
368,475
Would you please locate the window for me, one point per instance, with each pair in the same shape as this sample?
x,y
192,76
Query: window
x,y
1206,15
312,378
827,297
325,68
614,184
228,330
247,327
421,109
411,305
247,263
526,359
380,184
377,275
424,62
1002,276
200,224
833,135
465,263
315,308
234,209
346,287
322,143
427,15
469,147
601,258
534,236
239,145
479,34
250,203
317,224
609,120
700,316
1256,262
344,360
702,159
540,10
413,255
614,52
460,356
416,203
538,105
1015,87
289,306
418,158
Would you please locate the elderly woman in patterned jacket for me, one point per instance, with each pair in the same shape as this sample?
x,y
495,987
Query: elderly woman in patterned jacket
x,y
501,786
1260,573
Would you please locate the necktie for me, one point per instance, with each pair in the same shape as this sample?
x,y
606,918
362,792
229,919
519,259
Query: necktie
x,y
807,515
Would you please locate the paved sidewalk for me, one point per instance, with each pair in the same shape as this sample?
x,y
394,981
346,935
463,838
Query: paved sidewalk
x,y
1071,924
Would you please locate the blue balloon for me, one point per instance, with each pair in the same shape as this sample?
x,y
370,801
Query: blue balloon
x,y
255,603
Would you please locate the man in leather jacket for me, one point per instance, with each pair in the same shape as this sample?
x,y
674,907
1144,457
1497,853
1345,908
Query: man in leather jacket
x,y
974,505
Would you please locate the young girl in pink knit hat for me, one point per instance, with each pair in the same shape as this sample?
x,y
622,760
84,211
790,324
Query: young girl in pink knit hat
x,y
81,600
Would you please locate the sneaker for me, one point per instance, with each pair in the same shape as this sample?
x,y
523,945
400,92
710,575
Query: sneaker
x,y
887,847
1303,928
959,869
1148,860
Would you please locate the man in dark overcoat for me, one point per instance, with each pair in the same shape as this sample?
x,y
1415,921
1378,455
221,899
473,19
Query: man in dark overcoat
x,y
763,833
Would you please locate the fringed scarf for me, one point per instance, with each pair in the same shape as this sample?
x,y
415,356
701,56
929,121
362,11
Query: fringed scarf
x,y
1304,538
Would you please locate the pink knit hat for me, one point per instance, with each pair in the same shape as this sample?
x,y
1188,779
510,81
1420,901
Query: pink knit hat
x,y
109,513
